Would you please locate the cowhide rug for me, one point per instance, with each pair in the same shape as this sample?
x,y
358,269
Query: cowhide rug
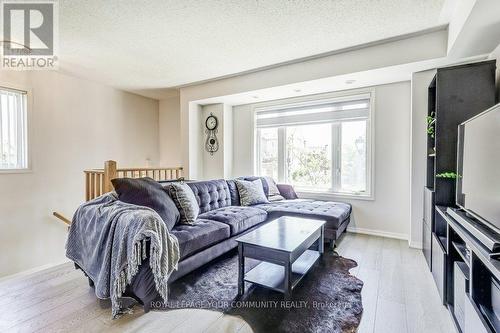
x,y
328,299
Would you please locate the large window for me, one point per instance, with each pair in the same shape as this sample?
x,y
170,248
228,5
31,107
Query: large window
x,y
321,146
13,130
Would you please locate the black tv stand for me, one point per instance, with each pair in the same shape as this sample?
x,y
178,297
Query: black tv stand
x,y
469,273
488,237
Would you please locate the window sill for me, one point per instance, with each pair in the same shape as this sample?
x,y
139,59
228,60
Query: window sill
x,y
14,171
333,196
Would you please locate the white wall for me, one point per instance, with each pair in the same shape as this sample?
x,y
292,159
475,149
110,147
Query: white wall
x,y
496,55
419,95
459,16
76,125
218,164
389,213
213,165
228,136
474,28
170,132
193,168
243,140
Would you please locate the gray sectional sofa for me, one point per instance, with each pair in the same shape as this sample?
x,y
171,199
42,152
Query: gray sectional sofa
x,y
222,219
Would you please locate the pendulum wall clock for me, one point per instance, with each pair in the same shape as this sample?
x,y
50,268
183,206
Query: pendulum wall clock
x,y
212,143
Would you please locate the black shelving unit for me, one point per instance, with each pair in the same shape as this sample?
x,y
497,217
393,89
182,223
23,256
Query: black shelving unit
x,y
455,94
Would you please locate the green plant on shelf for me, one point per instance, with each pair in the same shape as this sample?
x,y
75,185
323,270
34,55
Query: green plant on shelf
x,y
448,175
430,125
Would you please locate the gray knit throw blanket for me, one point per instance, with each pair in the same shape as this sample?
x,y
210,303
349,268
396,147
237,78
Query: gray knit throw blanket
x,y
107,240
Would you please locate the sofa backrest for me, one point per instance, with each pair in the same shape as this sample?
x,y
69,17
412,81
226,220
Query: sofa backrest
x,y
233,191
211,194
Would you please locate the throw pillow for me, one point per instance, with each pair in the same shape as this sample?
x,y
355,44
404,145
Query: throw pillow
x,y
185,201
147,192
274,192
273,189
251,192
287,191
252,178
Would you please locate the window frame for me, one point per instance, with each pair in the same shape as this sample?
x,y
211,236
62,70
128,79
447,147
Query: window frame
x,y
312,100
29,126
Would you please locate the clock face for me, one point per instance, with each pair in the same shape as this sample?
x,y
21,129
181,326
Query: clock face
x,y
211,122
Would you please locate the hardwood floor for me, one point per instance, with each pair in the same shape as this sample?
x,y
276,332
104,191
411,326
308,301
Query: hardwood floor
x,y
399,295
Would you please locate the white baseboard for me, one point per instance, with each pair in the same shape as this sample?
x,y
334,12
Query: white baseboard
x,y
379,233
32,270
416,245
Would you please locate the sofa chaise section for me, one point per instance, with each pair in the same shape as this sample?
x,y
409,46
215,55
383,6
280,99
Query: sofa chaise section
x,y
336,214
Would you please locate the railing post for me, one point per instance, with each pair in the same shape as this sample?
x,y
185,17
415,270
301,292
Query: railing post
x,y
109,173
87,186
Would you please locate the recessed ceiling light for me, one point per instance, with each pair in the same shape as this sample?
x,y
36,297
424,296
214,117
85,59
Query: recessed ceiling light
x,y
350,81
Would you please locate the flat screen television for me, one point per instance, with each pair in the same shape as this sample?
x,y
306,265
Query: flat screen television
x,y
478,168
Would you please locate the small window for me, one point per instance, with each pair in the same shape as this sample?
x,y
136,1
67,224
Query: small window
x,y
13,130
318,146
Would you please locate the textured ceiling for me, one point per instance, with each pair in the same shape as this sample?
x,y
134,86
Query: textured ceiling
x,y
139,45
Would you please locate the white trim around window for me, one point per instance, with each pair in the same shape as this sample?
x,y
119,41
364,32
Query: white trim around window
x,y
26,166
295,111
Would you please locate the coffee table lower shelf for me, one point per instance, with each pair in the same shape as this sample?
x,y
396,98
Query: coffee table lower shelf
x,y
272,276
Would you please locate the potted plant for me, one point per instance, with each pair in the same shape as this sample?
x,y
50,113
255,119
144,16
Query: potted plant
x,y
431,120
447,175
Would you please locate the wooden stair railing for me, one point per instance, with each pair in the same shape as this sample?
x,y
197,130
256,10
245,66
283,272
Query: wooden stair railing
x,y
62,218
98,181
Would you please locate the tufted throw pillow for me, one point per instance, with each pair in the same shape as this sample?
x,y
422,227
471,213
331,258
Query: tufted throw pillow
x,y
185,201
251,192
274,192
147,192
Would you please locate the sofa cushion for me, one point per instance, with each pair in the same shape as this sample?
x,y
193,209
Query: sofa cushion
x,y
276,197
238,218
147,192
211,194
251,192
334,213
185,201
199,235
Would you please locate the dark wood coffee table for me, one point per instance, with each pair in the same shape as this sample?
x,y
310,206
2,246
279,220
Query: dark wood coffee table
x,y
283,246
